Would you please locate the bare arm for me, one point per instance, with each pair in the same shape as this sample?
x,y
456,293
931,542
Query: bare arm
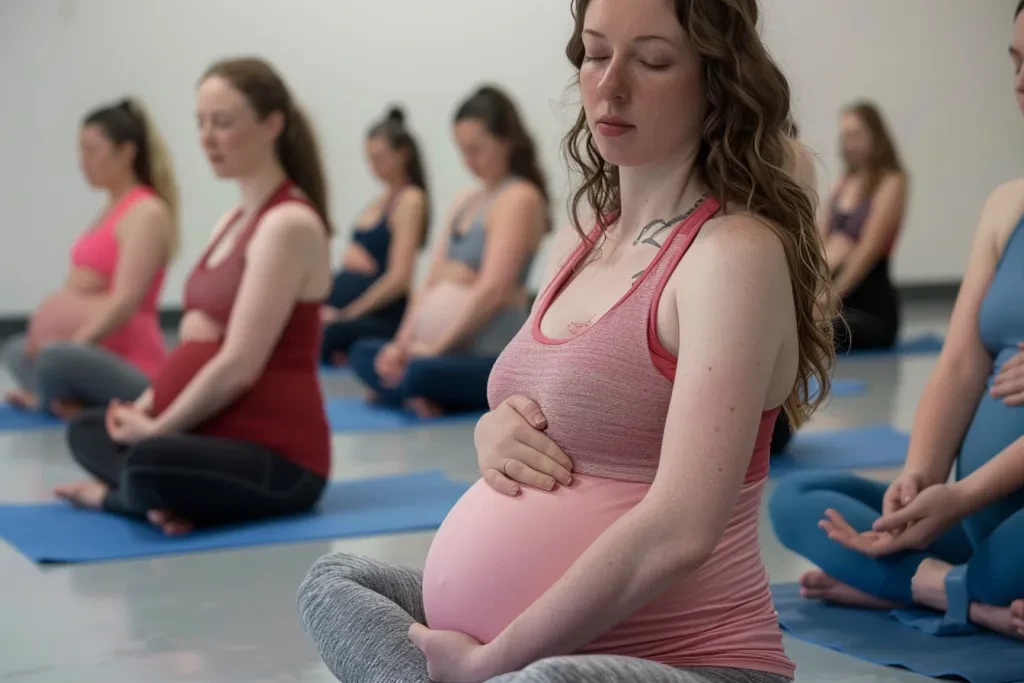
x,y
956,385
406,223
887,208
731,300
515,225
279,261
144,237
996,479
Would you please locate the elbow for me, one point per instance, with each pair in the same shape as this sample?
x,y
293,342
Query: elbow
x,y
680,550
237,374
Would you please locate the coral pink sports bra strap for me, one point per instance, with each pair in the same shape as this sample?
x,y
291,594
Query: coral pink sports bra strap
x,y
279,195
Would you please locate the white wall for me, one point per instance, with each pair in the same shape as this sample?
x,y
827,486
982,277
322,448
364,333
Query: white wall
x,y
938,67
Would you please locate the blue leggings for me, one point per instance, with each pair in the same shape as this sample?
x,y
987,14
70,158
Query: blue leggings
x,y
995,564
455,383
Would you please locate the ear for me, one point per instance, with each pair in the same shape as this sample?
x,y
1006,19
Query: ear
x,y
128,150
275,124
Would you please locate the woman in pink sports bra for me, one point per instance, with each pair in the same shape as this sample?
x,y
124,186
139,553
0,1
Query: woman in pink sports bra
x,y
682,317
98,338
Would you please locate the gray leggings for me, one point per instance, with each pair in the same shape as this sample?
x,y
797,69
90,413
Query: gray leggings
x,y
89,375
358,612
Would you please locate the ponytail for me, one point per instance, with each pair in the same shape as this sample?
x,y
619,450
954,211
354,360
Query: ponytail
x,y
299,154
129,121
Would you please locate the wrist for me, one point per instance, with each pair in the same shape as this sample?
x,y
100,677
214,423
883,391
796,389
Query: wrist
x,y
969,496
491,660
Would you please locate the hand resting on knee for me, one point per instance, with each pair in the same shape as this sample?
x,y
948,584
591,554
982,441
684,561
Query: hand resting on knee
x,y
513,449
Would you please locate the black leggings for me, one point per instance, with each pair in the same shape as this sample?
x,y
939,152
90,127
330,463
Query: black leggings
x,y
204,480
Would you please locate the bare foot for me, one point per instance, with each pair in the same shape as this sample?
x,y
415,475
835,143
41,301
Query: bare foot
x,y
83,494
817,585
425,409
929,589
22,398
371,396
1017,616
168,523
65,410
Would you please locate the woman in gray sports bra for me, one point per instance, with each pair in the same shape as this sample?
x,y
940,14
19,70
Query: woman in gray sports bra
x,y
474,299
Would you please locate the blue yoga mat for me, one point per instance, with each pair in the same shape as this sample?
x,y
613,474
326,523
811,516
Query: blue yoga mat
x,y
874,636
14,419
335,370
842,387
354,414
927,343
57,532
859,447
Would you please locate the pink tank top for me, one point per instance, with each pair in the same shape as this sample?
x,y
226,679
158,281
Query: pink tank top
x,y
605,393
139,340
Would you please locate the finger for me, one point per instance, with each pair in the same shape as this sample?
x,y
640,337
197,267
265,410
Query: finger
x,y
418,634
500,483
891,501
1015,399
839,521
519,471
895,521
544,455
529,410
908,493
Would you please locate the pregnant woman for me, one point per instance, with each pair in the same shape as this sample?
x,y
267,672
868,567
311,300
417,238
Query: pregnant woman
x,y
680,322
97,338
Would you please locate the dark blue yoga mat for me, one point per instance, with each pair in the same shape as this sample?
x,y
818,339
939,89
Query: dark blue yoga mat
x,y
57,532
922,344
354,414
874,636
844,449
15,419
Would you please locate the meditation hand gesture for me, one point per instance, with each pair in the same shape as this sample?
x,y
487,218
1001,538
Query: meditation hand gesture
x,y
513,449
914,527
128,425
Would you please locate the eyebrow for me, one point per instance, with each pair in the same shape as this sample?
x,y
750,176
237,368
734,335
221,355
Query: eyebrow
x,y
639,39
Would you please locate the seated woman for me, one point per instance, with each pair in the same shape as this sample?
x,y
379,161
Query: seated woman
x,y
233,426
370,291
646,567
950,547
863,217
474,297
98,338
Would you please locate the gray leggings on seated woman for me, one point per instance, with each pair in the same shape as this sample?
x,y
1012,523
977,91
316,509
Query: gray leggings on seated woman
x,y
88,375
358,612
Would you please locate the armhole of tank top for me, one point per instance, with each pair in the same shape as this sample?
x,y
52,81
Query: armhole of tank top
x,y
1015,232
663,359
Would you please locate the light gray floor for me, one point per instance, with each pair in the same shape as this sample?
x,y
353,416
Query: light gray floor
x,y
230,616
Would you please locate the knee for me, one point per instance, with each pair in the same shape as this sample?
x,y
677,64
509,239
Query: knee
x,y
83,431
323,582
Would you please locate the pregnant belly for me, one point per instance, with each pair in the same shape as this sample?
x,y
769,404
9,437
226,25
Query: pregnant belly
x,y
437,309
994,426
60,315
494,556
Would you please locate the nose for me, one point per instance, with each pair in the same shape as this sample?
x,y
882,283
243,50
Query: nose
x,y
1018,81
614,82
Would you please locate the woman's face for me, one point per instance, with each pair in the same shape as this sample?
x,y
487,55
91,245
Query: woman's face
x,y
855,140
387,163
641,82
235,140
103,163
1017,54
486,155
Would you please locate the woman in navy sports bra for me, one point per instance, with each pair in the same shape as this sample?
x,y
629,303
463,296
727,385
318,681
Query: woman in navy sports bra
x,y
473,300
372,287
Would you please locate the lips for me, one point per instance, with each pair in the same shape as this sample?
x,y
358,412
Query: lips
x,y
613,126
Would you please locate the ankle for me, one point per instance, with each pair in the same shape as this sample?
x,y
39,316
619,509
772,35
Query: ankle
x,y
928,586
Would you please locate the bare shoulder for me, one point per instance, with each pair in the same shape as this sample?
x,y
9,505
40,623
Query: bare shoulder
x,y
1002,211
520,193
737,249
411,199
895,182
150,211
291,222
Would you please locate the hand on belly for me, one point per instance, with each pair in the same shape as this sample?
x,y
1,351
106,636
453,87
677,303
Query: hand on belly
x,y
358,260
196,326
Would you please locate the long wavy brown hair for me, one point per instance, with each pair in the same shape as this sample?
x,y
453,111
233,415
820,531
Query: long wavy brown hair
x,y
744,159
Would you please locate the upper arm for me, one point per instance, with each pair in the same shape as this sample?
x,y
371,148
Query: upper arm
x,y
734,305
560,247
887,207
283,254
515,224
963,347
145,237
406,222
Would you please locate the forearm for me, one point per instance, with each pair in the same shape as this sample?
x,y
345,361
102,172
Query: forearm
x,y
856,266
943,415
113,313
385,290
996,479
475,312
218,384
631,563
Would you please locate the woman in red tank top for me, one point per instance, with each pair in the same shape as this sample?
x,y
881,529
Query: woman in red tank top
x,y
666,341
233,426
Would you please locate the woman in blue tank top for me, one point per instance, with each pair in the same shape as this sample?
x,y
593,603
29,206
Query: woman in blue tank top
x,y
372,287
954,547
